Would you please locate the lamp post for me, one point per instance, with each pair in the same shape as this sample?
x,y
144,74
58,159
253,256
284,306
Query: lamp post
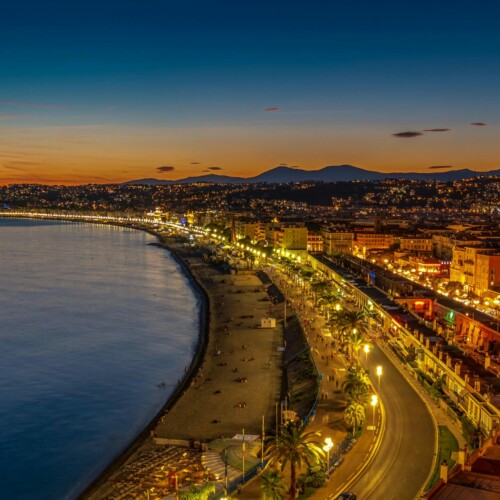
x,y
326,448
366,348
379,374
374,403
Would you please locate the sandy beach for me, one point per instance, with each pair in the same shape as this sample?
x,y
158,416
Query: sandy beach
x,y
236,383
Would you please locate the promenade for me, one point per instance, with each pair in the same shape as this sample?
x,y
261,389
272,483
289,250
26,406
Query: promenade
x,y
329,414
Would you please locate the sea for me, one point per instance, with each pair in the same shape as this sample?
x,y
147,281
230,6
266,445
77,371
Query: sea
x,y
97,326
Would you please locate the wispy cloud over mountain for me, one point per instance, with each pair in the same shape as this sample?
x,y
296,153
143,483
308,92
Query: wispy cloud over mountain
x,y
441,166
166,168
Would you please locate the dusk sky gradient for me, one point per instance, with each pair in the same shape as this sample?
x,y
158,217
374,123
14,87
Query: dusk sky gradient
x,y
110,91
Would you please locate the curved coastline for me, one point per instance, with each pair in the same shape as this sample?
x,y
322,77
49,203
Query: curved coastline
x,y
185,381
200,351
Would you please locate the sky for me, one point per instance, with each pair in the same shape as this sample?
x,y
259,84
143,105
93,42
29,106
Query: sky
x,y
106,91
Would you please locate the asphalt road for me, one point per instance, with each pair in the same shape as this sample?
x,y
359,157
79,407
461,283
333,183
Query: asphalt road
x,y
404,459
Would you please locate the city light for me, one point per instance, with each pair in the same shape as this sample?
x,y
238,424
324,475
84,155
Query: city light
x,y
379,374
326,448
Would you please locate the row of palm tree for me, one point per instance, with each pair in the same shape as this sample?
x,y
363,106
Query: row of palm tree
x,y
356,386
352,329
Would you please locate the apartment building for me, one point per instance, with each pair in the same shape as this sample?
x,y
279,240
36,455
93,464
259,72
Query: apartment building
x,y
314,242
372,241
254,231
335,242
417,246
478,269
292,237
286,236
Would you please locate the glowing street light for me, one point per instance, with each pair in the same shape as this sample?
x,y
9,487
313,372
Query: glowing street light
x,y
379,374
366,348
326,448
374,402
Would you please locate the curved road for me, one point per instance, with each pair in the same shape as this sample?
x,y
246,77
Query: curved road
x,y
405,457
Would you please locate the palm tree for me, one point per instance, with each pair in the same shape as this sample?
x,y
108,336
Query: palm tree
x,y
318,288
357,387
295,446
356,342
272,487
354,415
350,321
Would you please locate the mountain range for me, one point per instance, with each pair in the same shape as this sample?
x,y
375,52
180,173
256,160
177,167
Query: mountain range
x,y
332,173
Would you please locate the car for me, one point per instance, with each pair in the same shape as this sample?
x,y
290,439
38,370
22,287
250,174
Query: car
x,y
347,495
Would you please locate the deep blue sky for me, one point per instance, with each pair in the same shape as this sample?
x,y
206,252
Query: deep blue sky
x,y
113,89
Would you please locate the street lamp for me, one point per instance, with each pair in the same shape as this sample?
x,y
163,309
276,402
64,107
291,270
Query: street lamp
x,y
379,374
366,348
326,448
374,403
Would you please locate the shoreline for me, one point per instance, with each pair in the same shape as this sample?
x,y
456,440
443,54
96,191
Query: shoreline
x,y
197,360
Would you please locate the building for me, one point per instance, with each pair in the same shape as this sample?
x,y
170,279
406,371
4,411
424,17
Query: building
x,y
478,269
314,242
487,273
254,231
335,242
292,237
416,246
366,241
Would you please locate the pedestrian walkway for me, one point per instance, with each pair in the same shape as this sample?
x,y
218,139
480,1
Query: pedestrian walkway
x,y
329,417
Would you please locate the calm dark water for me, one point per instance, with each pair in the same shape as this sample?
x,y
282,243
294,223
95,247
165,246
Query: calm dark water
x,y
92,318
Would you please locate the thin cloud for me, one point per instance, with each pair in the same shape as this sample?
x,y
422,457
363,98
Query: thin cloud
x,y
27,104
295,166
272,109
283,164
13,167
407,135
10,116
441,166
166,168
196,163
478,124
436,130
214,168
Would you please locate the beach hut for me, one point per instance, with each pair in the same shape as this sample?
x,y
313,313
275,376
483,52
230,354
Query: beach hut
x,y
268,323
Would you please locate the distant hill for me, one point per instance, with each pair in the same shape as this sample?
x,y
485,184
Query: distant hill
x,y
333,173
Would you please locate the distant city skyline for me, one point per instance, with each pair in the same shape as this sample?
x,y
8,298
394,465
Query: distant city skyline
x,y
109,91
